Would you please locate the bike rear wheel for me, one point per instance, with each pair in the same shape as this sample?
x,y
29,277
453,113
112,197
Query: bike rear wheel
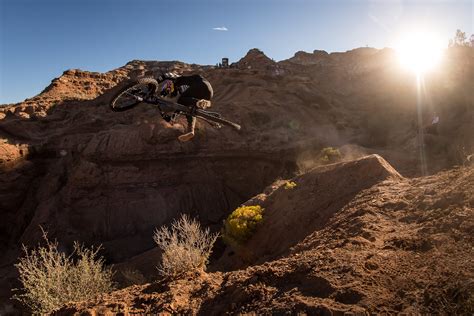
x,y
133,93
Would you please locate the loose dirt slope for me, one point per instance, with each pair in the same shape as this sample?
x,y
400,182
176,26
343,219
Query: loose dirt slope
x,y
393,245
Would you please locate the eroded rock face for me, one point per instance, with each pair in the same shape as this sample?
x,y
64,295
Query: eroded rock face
x,y
257,60
78,84
121,203
304,58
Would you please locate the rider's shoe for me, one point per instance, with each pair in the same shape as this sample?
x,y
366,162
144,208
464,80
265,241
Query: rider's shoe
x,y
186,137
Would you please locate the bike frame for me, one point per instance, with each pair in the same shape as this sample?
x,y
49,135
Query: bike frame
x,y
171,107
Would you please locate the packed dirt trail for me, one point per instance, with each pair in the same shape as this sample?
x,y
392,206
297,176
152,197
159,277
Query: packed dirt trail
x,y
371,233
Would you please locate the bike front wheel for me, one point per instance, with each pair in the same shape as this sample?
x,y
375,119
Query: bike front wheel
x,y
133,93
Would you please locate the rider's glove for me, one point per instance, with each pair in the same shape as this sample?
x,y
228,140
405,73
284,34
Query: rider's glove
x,y
203,104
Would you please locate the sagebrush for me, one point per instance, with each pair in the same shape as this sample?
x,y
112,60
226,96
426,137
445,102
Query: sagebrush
x,y
241,223
50,278
330,155
185,245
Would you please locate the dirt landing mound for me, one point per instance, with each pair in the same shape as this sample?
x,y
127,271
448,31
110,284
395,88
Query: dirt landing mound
x,y
297,212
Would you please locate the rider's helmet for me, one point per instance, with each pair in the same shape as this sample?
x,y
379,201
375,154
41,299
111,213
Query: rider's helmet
x,y
167,82
165,76
168,88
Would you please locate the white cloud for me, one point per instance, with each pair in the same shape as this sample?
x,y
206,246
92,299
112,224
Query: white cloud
x,y
222,28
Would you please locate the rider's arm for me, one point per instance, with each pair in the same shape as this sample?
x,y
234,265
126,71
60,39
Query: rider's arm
x,y
188,101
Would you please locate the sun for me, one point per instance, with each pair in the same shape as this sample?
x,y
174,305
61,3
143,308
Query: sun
x,y
420,51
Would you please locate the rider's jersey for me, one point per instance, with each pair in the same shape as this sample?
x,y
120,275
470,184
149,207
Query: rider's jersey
x,y
192,89
194,86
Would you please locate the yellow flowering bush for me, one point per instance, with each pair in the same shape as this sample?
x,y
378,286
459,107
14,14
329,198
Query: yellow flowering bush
x,y
289,185
241,223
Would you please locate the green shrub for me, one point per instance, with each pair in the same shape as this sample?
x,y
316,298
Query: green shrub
x,y
186,247
240,225
330,155
289,185
51,279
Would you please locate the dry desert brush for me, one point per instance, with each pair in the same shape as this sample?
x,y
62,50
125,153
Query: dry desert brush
x,y
50,278
185,245
329,155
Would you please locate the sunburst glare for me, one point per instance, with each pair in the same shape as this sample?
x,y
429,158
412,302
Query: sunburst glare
x,y
420,51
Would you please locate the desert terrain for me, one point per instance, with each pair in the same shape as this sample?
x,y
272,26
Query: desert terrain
x,y
379,231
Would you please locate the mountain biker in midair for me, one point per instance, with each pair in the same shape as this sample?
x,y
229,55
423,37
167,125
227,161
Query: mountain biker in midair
x,y
191,91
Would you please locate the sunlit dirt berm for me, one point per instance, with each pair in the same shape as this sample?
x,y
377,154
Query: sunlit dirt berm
x,y
366,233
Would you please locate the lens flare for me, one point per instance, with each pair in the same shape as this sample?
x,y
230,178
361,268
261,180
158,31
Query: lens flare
x,y
420,52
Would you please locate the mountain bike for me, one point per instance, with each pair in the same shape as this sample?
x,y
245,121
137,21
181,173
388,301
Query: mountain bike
x,y
143,90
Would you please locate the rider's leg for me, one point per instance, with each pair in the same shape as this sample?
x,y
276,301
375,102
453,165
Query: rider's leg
x,y
193,95
191,125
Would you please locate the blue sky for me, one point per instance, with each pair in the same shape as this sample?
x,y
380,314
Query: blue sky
x,y
39,39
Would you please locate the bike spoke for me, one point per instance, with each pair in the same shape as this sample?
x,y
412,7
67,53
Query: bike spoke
x,y
131,96
139,91
134,96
